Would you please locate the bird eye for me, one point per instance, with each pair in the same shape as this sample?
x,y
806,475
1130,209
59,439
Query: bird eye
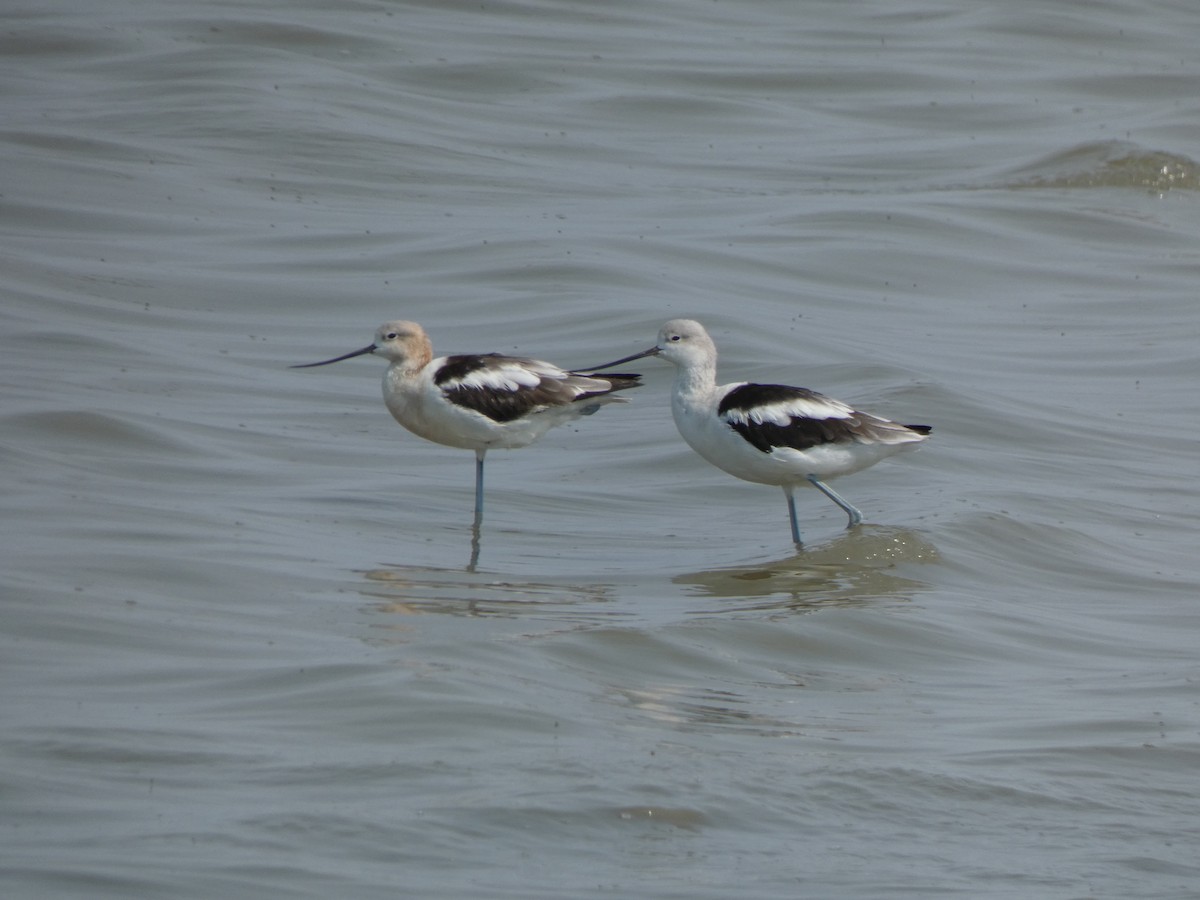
x,y
675,337
391,336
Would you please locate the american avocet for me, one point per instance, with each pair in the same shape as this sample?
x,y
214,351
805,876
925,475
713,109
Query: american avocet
x,y
770,433
480,402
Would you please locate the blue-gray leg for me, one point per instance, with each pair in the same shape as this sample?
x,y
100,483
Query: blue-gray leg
x,y
791,500
475,526
479,454
854,514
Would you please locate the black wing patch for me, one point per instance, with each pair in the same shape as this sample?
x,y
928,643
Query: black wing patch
x,y
456,368
747,397
800,434
777,415
499,407
506,388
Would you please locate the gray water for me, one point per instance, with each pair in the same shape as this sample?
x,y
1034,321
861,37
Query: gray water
x,y
243,653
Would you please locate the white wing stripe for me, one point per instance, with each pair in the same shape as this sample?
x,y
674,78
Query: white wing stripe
x,y
504,378
783,412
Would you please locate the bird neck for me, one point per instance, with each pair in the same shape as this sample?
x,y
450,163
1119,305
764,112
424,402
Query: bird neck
x,y
696,381
407,366
404,369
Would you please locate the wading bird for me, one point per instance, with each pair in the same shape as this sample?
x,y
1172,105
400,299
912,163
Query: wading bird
x,y
480,402
770,433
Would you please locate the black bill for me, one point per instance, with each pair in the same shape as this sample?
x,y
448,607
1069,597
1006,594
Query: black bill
x,y
364,350
653,351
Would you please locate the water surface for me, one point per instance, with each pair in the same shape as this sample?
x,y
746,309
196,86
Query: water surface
x,y
243,651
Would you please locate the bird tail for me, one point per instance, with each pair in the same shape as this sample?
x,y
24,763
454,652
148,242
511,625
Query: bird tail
x,y
621,382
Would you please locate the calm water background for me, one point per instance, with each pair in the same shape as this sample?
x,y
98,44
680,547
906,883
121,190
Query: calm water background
x,y
241,654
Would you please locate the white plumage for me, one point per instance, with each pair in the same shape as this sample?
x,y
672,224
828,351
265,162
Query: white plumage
x,y
770,433
480,402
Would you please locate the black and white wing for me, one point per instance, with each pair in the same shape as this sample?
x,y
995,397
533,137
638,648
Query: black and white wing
x,y
776,415
506,388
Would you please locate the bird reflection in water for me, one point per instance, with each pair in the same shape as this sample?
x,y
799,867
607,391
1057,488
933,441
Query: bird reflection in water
x,y
855,568
417,590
